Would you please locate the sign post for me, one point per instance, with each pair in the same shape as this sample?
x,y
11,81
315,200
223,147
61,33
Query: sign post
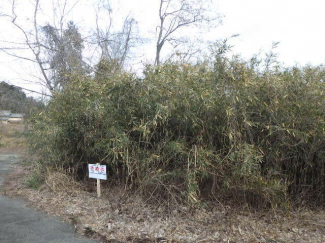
x,y
98,172
98,188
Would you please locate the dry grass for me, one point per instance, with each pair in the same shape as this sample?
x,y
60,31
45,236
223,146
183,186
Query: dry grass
x,y
128,218
11,130
59,182
11,138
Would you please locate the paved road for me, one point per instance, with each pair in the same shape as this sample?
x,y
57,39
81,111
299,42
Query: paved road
x,y
20,224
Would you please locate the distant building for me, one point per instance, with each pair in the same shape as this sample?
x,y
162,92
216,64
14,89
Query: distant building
x,y
6,116
16,118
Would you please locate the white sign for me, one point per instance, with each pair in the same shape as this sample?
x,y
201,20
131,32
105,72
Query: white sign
x,y
97,171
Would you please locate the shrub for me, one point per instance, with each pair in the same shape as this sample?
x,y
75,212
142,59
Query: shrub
x,y
35,181
188,132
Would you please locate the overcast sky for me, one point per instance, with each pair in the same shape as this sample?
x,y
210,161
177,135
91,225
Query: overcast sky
x,y
299,26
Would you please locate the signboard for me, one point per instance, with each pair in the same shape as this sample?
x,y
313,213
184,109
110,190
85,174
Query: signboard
x,y
97,171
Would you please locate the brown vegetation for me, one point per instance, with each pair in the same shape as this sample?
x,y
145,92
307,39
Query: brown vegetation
x,y
12,138
123,217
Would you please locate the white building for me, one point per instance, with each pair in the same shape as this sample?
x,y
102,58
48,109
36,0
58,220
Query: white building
x,y
6,116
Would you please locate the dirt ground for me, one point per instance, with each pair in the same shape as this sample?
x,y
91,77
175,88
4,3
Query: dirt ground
x,y
120,216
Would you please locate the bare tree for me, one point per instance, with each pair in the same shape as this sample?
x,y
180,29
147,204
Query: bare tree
x,y
35,44
186,49
115,44
179,14
64,53
56,46
32,41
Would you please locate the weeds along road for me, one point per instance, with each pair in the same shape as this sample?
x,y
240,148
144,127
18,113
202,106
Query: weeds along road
x,y
18,223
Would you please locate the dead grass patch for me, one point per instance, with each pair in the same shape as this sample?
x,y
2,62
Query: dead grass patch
x,y
60,182
12,139
11,130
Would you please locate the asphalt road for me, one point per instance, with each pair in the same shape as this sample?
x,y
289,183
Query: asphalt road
x,y
20,224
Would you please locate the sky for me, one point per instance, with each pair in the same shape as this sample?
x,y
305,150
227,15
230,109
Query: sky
x,y
299,26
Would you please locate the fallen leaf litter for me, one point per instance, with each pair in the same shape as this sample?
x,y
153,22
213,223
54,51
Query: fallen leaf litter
x,y
117,217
